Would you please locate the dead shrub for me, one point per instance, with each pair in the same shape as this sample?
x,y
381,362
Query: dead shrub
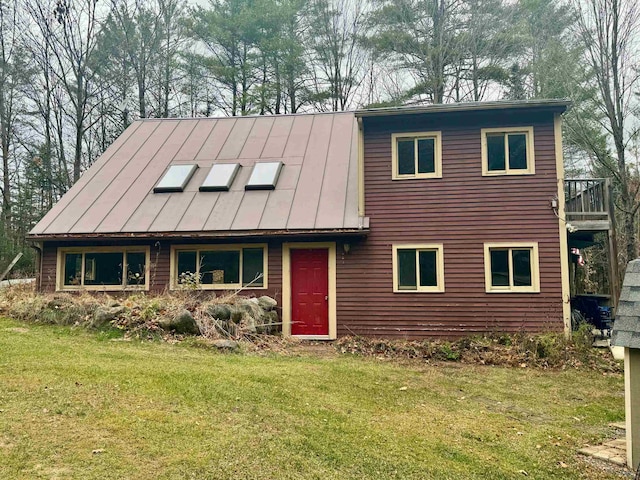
x,y
546,351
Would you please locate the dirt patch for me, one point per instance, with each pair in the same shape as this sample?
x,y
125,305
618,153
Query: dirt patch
x,y
17,330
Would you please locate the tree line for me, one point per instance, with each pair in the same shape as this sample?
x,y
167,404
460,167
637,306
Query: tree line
x,y
75,73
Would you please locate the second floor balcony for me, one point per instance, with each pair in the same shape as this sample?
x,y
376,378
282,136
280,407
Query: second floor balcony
x,y
588,204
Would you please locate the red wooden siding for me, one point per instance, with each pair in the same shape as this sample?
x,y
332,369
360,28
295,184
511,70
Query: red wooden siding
x,y
462,210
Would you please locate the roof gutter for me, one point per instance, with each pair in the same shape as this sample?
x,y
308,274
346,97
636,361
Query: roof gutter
x,y
342,232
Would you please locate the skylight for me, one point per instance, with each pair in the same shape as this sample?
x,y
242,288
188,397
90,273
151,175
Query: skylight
x,y
175,178
264,176
220,177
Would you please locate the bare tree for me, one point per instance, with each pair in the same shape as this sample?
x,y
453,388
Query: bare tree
x,y
339,61
71,28
608,30
14,76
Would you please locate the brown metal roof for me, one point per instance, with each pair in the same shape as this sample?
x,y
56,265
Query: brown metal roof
x,y
317,188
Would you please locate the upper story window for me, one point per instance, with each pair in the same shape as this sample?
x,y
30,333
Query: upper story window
x,y
219,267
508,151
103,268
175,179
418,268
416,155
511,267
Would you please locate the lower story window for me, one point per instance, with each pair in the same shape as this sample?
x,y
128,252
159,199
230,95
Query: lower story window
x,y
418,268
511,267
220,267
102,268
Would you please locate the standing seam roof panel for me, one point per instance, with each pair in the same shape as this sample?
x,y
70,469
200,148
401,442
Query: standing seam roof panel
x,y
163,140
236,139
334,184
277,141
214,143
139,188
85,179
83,200
305,202
257,138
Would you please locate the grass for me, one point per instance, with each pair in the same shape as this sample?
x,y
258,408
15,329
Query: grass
x,y
78,405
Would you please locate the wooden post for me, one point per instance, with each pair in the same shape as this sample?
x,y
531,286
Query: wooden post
x,y
632,405
614,273
11,265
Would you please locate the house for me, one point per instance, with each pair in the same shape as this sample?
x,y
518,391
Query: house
x,y
442,220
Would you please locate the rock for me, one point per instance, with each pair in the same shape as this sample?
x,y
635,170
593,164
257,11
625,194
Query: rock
x,y
267,303
236,314
183,322
104,315
250,305
219,311
223,344
248,324
268,322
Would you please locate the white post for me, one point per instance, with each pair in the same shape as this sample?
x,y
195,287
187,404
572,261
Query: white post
x,y
632,405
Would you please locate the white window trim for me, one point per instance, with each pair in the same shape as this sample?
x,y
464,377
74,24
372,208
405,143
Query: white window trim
x,y
531,163
535,267
62,251
173,282
437,136
438,248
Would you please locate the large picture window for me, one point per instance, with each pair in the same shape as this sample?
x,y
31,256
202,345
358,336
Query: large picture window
x,y
219,266
418,268
416,155
103,268
507,151
511,267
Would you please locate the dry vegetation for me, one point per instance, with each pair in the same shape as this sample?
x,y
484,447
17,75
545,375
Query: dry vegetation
x,y
547,351
144,317
139,315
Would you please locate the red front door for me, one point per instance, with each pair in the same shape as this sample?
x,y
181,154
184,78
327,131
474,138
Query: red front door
x,y
310,291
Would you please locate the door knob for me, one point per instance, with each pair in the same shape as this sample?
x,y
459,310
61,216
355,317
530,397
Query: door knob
x,y
326,297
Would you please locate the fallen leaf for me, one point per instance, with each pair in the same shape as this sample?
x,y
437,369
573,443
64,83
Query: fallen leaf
x,y
97,451
402,389
562,465
523,472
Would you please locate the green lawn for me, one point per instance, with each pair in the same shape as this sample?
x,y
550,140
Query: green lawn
x,y
76,405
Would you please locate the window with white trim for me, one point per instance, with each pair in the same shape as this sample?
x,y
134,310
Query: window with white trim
x,y
103,268
511,267
418,268
507,151
220,266
416,155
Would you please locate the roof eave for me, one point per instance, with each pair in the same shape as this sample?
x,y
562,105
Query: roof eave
x,y
338,232
553,104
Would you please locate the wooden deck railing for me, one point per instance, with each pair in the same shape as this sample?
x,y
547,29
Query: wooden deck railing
x,y
587,199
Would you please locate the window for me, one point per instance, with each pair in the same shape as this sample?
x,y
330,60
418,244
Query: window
x,y
103,268
511,267
175,178
264,176
220,177
418,268
219,266
416,155
507,151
